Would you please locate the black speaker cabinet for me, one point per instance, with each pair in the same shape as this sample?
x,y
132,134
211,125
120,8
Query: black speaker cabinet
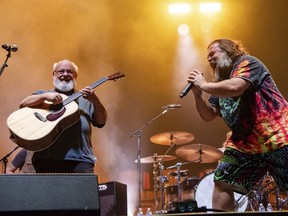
x,y
113,199
49,193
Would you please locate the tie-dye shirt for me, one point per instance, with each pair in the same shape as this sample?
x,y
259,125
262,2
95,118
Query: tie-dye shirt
x,y
258,118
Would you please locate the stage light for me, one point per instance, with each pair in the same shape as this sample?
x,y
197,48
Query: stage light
x,y
210,7
179,8
183,29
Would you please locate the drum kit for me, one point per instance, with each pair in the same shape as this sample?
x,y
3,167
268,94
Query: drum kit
x,y
185,188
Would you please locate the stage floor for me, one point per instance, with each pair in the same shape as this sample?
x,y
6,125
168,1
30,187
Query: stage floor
x,y
278,213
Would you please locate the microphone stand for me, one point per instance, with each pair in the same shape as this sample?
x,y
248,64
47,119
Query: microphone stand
x,y
5,159
138,133
5,63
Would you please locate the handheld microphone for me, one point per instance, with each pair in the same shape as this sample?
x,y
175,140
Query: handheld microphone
x,y
186,90
172,106
10,48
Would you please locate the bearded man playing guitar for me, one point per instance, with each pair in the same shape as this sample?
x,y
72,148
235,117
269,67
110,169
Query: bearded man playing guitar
x,y
71,151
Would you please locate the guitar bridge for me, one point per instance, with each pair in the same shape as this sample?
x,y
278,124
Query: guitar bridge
x,y
40,117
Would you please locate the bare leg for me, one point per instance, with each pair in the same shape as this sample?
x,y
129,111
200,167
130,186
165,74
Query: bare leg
x,y
223,196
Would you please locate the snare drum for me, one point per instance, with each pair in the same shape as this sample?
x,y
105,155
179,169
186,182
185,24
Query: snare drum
x,y
204,191
187,190
188,187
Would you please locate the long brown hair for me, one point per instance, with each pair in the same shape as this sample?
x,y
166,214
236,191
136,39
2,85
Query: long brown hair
x,y
233,48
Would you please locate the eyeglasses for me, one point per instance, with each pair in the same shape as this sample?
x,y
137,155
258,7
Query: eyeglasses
x,y
62,71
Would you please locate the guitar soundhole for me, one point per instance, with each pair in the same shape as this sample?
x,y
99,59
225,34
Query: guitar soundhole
x,y
56,114
56,107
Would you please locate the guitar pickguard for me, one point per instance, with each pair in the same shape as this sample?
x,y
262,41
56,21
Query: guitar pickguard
x,y
53,116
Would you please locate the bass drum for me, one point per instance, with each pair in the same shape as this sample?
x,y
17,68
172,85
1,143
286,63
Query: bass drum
x,y
204,191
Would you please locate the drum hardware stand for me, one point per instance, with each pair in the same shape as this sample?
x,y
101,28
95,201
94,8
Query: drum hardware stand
x,y
138,133
161,179
250,201
263,191
179,195
178,165
155,173
280,202
5,160
259,195
161,168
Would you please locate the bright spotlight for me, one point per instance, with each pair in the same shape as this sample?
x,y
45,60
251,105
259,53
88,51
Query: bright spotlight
x,y
210,7
183,29
179,8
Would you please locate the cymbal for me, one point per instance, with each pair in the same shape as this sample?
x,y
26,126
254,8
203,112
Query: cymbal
x,y
156,158
199,153
172,137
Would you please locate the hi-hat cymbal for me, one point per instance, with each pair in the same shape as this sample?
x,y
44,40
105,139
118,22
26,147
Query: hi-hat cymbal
x,y
156,158
199,153
173,137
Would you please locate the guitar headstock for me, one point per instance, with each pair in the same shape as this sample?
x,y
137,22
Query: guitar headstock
x,y
116,75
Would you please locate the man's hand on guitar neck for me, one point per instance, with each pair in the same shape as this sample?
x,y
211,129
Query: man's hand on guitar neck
x,y
54,97
100,113
88,93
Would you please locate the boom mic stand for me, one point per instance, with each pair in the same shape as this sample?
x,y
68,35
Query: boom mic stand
x,y
14,49
138,133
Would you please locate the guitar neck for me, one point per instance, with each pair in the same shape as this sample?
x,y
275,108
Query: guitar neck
x,y
79,94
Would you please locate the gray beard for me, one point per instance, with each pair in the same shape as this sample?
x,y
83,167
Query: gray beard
x,y
222,71
64,86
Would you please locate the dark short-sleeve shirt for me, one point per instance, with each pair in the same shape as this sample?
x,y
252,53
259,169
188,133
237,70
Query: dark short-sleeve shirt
x,y
74,143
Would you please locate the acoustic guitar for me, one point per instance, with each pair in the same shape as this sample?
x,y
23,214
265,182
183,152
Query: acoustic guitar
x,y
35,128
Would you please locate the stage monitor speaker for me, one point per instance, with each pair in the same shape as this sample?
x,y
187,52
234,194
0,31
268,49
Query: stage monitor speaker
x,y
49,192
113,199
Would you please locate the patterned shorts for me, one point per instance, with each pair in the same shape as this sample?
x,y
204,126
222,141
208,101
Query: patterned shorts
x,y
244,171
